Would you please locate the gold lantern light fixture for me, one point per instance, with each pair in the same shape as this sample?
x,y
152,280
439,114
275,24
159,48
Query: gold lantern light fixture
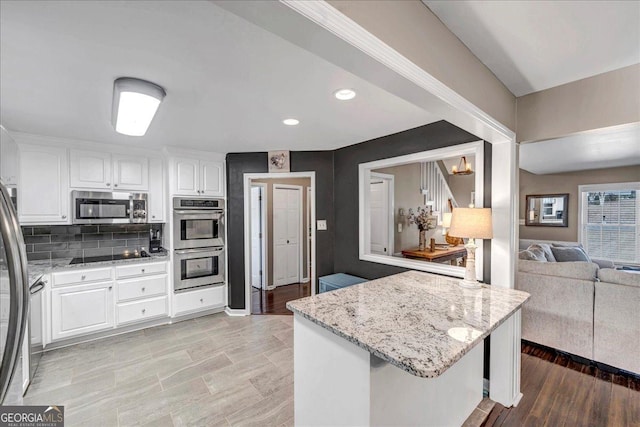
x,y
463,168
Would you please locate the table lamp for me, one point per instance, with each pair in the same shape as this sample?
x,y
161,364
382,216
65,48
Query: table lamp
x,y
471,223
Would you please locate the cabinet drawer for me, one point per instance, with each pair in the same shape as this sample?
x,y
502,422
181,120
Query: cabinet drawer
x,y
142,310
143,287
82,276
145,269
202,299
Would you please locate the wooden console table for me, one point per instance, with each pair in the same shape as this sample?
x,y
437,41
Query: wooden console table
x,y
439,255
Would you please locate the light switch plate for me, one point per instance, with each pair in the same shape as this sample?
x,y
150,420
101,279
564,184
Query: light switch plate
x,y
321,224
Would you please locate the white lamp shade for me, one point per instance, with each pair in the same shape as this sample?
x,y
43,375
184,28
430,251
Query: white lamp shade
x,y
135,103
446,219
471,223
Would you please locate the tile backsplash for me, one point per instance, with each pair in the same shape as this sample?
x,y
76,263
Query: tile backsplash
x,y
71,241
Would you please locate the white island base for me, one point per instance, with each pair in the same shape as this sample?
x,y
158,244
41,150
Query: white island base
x,y
337,383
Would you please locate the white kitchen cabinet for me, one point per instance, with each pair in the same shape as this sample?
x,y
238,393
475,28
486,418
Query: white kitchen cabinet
x,y
198,177
8,158
211,178
130,173
81,309
199,300
44,185
90,169
156,191
187,179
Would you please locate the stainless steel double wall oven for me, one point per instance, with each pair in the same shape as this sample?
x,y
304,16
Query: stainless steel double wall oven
x,y
198,240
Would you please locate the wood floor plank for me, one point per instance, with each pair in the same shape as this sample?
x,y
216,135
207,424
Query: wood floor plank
x,y
537,370
619,402
581,400
540,410
599,411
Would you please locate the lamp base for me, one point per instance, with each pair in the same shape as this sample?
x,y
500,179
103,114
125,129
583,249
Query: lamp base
x,y
470,284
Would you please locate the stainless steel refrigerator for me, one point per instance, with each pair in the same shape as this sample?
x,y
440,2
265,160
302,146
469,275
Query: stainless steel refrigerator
x,y
14,299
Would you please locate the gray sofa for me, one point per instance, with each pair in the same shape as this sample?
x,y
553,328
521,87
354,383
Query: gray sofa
x,y
581,309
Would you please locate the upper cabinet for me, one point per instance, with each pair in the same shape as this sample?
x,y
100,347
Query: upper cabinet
x,y
104,171
44,185
193,177
8,158
156,191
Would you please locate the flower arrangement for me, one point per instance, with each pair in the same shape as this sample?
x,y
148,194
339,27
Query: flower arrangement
x,y
423,218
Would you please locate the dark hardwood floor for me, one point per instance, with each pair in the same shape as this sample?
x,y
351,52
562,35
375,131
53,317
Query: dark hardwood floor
x,y
274,302
559,391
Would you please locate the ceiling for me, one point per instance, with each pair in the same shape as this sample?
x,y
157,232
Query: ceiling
x,y
229,82
535,45
602,148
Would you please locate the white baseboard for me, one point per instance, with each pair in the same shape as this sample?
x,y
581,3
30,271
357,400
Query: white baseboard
x,y
236,311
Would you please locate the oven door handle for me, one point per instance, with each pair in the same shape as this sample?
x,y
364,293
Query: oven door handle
x,y
195,251
198,212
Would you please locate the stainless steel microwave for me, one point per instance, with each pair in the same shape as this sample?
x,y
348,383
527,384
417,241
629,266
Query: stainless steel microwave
x,y
99,207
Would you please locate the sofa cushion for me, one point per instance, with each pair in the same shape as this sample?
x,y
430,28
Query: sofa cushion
x,y
603,263
546,248
568,254
533,254
621,277
573,270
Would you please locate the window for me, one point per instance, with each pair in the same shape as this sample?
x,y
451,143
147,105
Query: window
x,y
609,226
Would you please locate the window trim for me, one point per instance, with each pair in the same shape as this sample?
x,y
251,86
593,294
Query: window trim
x,y
586,188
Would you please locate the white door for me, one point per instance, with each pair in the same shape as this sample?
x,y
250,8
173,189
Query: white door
x,y
257,234
379,208
130,173
80,309
156,191
187,179
287,223
90,169
44,185
211,178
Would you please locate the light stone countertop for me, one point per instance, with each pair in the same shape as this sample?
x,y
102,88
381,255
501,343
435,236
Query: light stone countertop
x,y
37,268
422,323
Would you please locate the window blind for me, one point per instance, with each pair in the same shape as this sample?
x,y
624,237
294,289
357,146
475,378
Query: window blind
x,y
610,225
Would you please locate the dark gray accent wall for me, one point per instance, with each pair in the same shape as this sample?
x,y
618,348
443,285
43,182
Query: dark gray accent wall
x,y
321,162
346,161
71,241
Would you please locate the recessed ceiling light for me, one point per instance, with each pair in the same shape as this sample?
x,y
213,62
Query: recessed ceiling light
x,y
135,103
291,122
345,94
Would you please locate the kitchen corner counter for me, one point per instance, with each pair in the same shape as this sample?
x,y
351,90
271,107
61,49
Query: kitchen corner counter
x,y
421,323
38,268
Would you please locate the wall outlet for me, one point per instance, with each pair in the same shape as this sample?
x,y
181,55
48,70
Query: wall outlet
x,y
321,224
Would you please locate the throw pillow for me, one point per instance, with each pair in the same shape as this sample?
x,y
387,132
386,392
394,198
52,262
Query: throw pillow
x,y
546,248
569,254
532,255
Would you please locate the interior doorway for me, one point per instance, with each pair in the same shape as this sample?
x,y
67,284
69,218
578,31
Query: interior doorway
x,y
381,213
279,261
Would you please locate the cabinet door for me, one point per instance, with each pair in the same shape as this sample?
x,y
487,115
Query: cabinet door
x,y
90,169
130,173
81,309
8,158
156,191
212,178
44,185
187,179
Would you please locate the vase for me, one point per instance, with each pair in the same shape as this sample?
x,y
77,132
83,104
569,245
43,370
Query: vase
x,y
422,244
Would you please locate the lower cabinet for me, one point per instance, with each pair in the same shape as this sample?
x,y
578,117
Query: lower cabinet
x,y
81,309
138,311
198,300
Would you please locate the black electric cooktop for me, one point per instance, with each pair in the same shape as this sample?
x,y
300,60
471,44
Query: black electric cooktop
x,y
84,260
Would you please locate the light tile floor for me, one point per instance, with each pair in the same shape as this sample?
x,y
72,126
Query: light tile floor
x,y
209,371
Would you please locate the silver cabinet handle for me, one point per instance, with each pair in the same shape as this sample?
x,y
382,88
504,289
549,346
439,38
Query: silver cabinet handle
x,y
83,277
144,310
110,287
201,300
108,184
143,270
143,289
153,216
115,185
64,217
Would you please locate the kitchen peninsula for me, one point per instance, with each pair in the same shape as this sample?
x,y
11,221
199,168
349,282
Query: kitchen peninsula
x,y
401,350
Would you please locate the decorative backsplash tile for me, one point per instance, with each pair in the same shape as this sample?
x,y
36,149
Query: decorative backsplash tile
x,y
70,241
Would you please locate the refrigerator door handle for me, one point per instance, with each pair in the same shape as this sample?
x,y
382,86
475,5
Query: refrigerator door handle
x,y
19,289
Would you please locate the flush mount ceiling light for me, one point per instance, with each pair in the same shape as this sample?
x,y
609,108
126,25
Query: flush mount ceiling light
x,y
463,168
291,122
135,103
345,94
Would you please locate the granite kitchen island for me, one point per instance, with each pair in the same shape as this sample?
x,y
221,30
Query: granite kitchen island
x,y
401,350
